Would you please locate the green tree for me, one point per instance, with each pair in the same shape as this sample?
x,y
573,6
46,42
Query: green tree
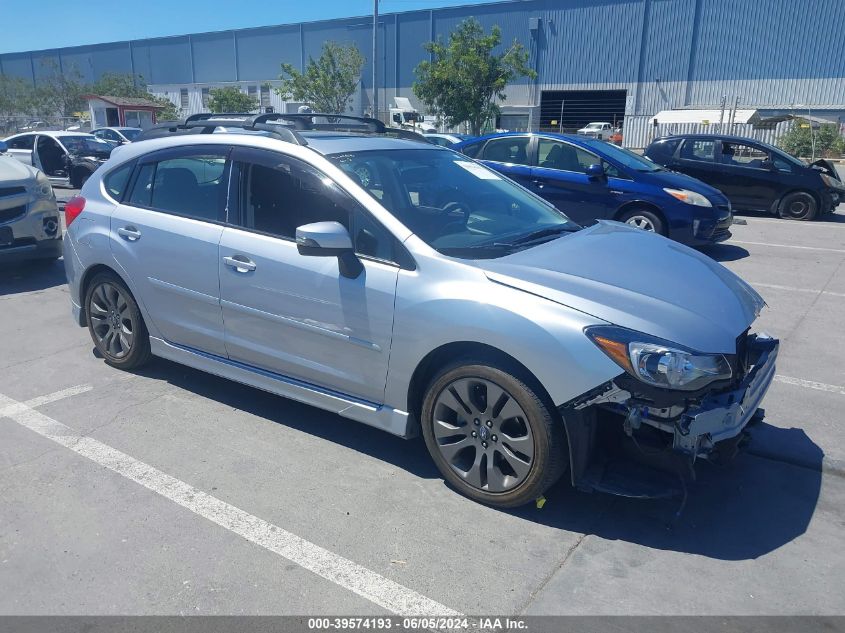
x,y
798,141
230,99
465,79
328,83
120,85
17,96
60,91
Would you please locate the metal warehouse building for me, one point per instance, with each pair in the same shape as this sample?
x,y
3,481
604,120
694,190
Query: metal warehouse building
x,y
595,59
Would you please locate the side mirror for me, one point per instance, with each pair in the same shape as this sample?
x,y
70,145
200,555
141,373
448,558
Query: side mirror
x,y
3,147
596,172
329,239
397,118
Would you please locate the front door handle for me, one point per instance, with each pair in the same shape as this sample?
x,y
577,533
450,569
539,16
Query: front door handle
x,y
240,263
129,233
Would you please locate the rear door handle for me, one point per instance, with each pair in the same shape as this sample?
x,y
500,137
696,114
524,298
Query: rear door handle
x,y
240,263
129,233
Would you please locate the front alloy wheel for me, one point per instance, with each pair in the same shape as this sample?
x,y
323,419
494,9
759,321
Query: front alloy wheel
x,y
491,435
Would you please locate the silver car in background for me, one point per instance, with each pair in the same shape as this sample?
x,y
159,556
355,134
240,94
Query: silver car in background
x,y
30,227
409,288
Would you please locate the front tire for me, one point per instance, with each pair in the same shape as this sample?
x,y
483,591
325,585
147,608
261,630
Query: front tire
x,y
115,322
644,219
492,436
798,205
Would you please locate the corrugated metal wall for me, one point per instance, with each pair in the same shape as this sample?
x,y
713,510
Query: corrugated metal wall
x,y
664,53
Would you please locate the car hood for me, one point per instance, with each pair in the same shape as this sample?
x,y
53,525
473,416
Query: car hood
x,y
637,280
677,180
14,173
825,166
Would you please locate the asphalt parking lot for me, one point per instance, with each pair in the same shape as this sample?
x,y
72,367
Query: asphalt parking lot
x,y
170,491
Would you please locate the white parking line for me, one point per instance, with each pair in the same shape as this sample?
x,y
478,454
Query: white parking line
x,y
804,248
810,384
341,571
796,289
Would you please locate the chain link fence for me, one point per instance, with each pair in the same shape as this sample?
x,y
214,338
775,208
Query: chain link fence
x,y
17,124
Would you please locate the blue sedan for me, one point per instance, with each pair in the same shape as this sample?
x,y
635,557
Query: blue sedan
x,y
589,179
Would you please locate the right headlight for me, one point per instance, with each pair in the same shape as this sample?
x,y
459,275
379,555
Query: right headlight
x,y
690,197
42,189
659,363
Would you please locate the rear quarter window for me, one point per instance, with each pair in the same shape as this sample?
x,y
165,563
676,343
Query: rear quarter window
x,y
117,180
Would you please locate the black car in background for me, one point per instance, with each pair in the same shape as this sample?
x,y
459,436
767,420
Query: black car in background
x,y
754,176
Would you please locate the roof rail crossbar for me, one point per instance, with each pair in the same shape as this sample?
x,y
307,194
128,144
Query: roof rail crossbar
x,y
333,122
208,122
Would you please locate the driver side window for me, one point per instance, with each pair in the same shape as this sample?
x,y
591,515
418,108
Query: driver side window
x,y
510,149
277,194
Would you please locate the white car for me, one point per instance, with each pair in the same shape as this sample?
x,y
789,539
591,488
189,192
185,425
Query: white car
x,y
68,158
600,130
119,135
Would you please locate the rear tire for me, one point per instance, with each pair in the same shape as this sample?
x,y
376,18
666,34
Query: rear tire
x,y
499,442
115,322
798,205
644,219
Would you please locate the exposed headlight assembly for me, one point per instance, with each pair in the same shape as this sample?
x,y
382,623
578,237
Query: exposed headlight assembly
x,y
690,197
659,363
42,189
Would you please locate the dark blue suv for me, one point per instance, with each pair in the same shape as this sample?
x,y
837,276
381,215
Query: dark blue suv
x,y
589,180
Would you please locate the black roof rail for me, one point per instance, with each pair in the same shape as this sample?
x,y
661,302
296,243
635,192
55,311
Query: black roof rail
x,y
304,121
208,122
282,125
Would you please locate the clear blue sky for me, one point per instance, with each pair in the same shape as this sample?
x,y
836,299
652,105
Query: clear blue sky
x,y
30,26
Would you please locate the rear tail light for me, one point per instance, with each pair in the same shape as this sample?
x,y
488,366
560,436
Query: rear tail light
x,y
73,208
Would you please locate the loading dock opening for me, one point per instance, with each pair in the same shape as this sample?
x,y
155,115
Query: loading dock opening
x,y
569,110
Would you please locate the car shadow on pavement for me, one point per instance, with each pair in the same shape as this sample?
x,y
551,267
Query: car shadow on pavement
x,y
30,276
724,252
837,217
739,511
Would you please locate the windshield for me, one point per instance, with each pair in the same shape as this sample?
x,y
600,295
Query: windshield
x,y
130,133
455,205
593,126
623,156
81,144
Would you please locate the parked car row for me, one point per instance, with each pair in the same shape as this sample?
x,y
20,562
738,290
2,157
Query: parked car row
x,y
590,180
408,287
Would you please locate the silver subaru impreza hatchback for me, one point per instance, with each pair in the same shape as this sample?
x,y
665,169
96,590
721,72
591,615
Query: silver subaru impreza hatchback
x,y
407,287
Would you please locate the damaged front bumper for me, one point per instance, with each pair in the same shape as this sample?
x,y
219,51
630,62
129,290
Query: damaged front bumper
x,y
723,415
628,458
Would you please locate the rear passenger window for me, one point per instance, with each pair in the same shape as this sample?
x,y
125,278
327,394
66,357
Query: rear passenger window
x,y
698,150
193,186
117,180
143,188
511,149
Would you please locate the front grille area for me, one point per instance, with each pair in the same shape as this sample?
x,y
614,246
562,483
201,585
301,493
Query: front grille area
x,y
11,191
7,215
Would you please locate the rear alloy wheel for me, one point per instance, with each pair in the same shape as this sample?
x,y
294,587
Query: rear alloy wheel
x,y
491,435
798,206
115,323
643,219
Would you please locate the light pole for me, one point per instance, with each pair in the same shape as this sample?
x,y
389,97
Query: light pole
x,y
375,59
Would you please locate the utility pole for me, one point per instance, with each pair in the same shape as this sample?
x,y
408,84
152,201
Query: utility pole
x,y
375,59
